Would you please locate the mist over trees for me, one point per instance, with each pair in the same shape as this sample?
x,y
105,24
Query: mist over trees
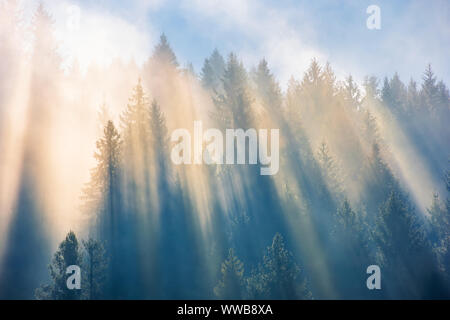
x,y
364,179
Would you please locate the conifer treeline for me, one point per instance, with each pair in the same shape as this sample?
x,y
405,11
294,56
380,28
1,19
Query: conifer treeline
x,y
340,202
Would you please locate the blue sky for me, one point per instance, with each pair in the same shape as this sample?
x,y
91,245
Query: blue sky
x,y
287,33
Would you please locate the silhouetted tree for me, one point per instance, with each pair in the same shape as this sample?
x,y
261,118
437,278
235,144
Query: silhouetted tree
x,y
282,274
96,269
68,254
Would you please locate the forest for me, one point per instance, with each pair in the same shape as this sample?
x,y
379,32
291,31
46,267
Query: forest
x,y
86,178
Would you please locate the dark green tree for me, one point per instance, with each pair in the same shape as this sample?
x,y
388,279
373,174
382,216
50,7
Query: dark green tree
x,y
68,254
400,232
282,274
354,232
96,269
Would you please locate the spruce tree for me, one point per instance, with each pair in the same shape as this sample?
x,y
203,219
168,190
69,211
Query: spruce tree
x,y
68,254
135,124
163,53
329,170
282,274
233,108
213,71
429,91
268,88
231,284
96,269
102,191
351,93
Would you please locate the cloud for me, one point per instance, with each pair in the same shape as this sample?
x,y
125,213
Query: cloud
x,y
282,35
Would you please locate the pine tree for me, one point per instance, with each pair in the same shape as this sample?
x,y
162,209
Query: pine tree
x,y
329,81
282,274
233,107
413,98
351,249
312,76
164,54
310,91
159,133
213,71
232,283
329,170
445,242
351,93
354,230
429,92
379,181
394,95
135,123
96,263
68,254
346,217
134,120
386,91
401,233
160,143
256,284
101,194
443,96
398,95
268,88
370,131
